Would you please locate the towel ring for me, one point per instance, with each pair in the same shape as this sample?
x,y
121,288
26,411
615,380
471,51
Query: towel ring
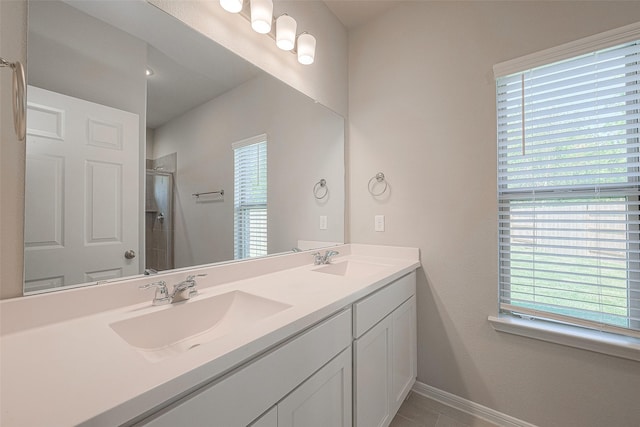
x,y
19,101
318,187
379,177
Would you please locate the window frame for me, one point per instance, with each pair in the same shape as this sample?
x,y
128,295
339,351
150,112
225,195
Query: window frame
x,y
536,329
242,210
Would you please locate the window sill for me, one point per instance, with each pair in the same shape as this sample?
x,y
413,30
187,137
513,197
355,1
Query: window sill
x,y
571,336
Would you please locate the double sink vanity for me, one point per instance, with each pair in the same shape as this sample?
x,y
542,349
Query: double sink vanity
x,y
276,341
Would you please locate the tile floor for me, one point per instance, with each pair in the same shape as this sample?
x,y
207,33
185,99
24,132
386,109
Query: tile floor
x,y
420,411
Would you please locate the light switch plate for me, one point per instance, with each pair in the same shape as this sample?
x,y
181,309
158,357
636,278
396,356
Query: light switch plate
x,y
379,222
323,222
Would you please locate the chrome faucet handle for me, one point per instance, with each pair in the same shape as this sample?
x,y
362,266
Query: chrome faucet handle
x,y
191,279
162,293
331,253
317,258
328,255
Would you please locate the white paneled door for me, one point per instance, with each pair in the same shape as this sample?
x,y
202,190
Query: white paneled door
x,y
82,191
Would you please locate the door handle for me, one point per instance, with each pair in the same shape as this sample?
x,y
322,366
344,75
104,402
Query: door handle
x,y
130,254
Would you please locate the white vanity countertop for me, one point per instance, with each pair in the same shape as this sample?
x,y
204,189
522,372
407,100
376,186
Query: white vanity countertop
x,y
79,371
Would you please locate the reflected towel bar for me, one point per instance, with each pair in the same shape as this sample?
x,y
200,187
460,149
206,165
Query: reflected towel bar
x,y
197,195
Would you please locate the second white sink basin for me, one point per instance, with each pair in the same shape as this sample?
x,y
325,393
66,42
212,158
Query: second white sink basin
x,y
180,327
352,269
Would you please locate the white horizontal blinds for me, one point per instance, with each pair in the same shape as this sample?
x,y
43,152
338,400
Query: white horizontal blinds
x,y
250,198
568,175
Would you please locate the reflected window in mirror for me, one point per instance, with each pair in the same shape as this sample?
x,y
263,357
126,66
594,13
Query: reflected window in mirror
x,y
250,197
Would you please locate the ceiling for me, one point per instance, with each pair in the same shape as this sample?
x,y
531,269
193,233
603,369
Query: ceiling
x,y
355,12
183,78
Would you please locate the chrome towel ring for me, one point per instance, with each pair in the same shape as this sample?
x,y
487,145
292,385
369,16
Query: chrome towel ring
x,y
19,101
374,181
317,189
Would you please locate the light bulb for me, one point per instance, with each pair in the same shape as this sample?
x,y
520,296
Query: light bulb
x,y
261,15
306,48
286,32
233,6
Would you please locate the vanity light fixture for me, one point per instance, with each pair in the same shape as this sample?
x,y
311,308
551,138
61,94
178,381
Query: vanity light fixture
x,y
306,48
261,15
286,32
233,6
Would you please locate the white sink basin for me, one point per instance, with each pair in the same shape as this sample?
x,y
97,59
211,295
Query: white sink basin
x,y
352,269
180,327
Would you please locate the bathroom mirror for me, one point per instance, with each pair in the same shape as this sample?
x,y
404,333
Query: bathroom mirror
x,y
146,150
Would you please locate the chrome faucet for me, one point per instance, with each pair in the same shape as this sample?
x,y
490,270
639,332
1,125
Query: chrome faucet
x,y
162,294
185,290
323,259
181,292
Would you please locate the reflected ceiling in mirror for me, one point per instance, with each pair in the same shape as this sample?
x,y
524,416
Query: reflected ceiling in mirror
x,y
115,157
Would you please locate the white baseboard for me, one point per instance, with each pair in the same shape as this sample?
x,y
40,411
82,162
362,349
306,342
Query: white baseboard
x,y
468,406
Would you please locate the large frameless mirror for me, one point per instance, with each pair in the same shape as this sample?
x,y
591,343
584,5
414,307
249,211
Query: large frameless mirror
x,y
150,147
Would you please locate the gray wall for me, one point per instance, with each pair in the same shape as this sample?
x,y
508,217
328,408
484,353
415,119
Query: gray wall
x,y
305,143
422,110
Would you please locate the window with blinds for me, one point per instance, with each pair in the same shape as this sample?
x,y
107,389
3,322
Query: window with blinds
x,y
250,197
568,197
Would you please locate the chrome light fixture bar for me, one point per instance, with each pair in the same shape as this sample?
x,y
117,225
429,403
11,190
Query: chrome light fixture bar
x,y
260,14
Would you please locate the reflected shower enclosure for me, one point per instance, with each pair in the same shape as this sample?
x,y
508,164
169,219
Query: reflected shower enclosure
x,y
159,220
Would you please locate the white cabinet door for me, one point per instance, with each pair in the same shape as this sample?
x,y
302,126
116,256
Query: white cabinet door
x,y
385,364
324,400
373,358
270,419
404,353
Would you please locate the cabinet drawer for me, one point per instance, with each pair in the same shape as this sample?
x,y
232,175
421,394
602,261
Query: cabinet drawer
x,y
240,397
370,310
